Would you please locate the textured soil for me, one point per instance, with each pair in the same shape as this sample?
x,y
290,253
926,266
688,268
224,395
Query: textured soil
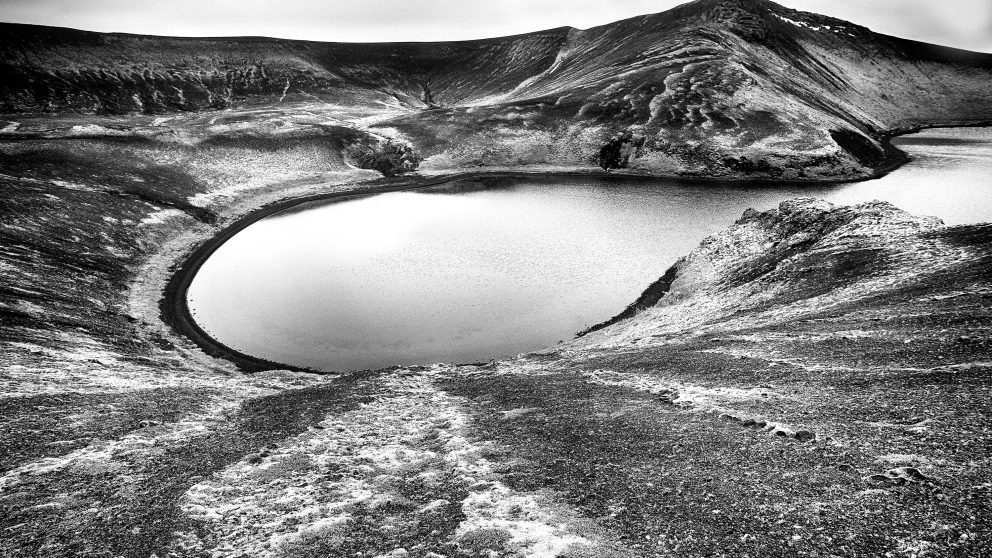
x,y
813,381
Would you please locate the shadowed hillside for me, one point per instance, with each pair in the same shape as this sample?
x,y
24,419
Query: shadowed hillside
x,y
733,88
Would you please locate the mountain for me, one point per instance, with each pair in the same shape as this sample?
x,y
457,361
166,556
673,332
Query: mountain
x,y
732,88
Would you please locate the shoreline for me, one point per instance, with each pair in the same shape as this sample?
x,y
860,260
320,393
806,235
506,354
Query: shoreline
x,y
175,313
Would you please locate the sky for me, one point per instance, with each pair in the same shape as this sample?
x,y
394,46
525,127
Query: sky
x,y
960,23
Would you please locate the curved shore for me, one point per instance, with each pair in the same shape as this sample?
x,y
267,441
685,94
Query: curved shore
x,y
174,307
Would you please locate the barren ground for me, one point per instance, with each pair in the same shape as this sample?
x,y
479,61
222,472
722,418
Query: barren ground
x,y
813,381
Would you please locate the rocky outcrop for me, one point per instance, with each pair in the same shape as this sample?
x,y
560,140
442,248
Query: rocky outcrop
x,y
745,18
805,256
805,248
388,157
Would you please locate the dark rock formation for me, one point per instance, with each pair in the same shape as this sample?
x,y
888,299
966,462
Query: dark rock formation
x,y
387,157
861,148
617,152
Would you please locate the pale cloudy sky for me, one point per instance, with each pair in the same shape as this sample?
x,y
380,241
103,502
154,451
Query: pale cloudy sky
x,y
961,23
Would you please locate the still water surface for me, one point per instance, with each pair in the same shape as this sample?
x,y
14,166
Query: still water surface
x,y
477,271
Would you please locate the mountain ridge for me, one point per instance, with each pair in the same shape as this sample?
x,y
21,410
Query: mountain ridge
x,y
713,88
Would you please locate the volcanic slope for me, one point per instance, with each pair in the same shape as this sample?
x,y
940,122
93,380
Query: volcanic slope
x,y
814,382
715,88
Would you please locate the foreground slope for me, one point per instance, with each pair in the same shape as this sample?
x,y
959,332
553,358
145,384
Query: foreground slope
x,y
814,380
734,88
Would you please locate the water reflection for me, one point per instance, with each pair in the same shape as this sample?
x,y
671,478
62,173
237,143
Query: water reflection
x,y
481,269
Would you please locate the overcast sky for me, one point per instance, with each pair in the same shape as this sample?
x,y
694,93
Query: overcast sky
x,y
961,23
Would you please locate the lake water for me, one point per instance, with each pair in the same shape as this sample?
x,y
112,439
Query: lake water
x,y
476,271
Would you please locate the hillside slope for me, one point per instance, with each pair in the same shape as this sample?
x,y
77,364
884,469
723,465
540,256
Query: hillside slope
x,y
715,88
803,390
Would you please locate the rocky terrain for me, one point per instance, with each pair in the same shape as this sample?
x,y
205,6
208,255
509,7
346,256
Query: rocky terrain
x,y
813,381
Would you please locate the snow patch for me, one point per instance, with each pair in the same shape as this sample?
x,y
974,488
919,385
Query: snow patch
x,y
832,28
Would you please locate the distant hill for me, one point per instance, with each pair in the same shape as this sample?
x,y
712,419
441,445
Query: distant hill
x,y
715,88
